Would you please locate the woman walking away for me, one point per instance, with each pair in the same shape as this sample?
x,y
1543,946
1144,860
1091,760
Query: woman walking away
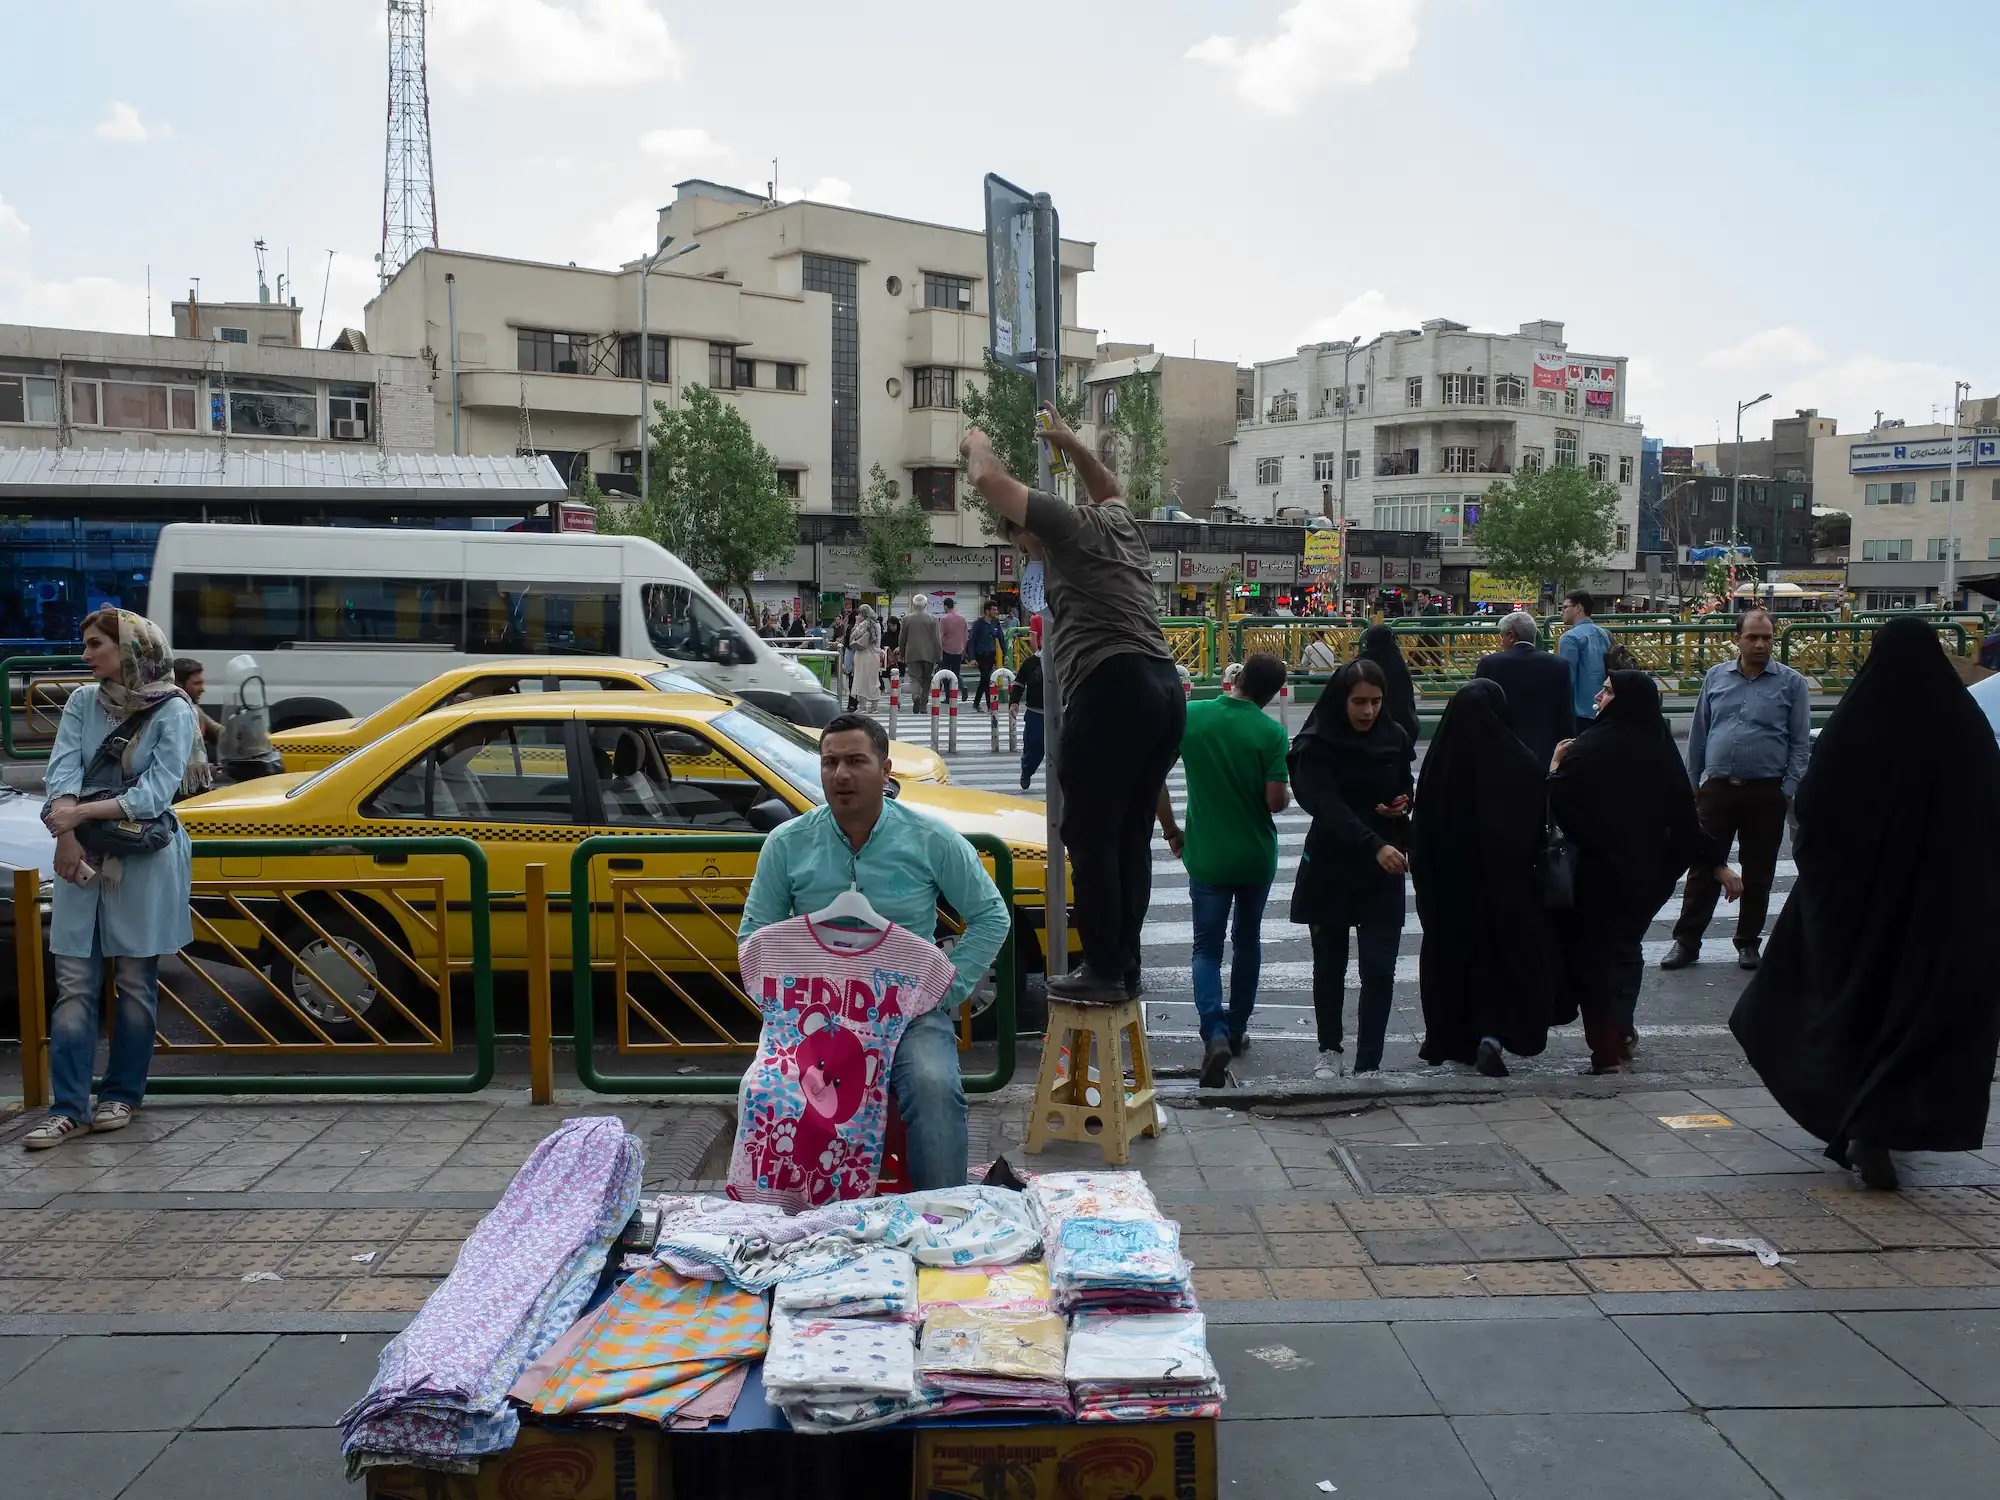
x,y
1875,1018
1621,795
1487,961
864,639
1378,644
1350,769
122,755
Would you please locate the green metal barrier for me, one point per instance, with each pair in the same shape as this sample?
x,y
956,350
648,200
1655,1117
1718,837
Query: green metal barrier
x,y
1834,653
583,965
334,1083
28,665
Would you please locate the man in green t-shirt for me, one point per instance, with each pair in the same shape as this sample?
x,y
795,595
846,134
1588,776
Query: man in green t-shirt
x,y
1236,779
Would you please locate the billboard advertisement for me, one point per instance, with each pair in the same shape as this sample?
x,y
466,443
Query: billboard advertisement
x,y
1929,453
1322,548
1551,370
1593,377
1677,460
1486,588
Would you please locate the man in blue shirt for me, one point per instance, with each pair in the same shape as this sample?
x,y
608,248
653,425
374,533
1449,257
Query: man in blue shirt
x,y
1582,647
904,862
1747,749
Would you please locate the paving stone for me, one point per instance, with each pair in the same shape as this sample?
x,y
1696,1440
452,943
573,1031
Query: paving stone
x,y
1684,1236
1355,1369
290,1179
1533,1278
1414,1247
1514,1242
1611,1239
296,1462
1981,1229
28,1223
1912,1232
1818,1234
134,1384
1956,1353
295,1224
80,1296
1577,1208
1271,1179
107,1223
384,1294
1333,1247
300,1381
1213,1285
1481,1211
14,1293
1744,1274
1194,1218
17,1353
1632,1275
283,1296
75,1465
1480,1367
234,1259
420,1258
1864,1455
1578,1456
492,1180
219,1179
1944,1268
335,1258
54,1255
368,1223
1806,1359
1375,1457
1294,1218
458,1224
1225,1251
147,1258
1389,1214
1424,1281
1319,1284
1844,1272
180,1297
1660,1207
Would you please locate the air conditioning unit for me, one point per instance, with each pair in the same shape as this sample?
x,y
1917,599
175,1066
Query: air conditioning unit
x,y
965,296
350,427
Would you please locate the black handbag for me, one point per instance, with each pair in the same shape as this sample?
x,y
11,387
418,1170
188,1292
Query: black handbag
x,y
105,779
1555,869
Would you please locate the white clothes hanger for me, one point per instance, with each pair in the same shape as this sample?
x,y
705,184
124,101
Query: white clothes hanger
x,y
850,906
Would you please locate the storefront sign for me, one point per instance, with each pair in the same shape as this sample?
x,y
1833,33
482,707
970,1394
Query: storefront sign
x,y
578,517
1930,453
1395,570
1208,567
1270,567
1322,548
1812,578
1364,570
1584,377
1164,567
1551,369
1426,570
1487,589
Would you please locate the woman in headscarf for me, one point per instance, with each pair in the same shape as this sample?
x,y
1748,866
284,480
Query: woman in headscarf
x,y
864,640
1621,795
1350,769
124,752
1378,644
1487,961
1875,1017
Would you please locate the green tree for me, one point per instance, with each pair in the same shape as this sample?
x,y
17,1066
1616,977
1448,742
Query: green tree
x,y
893,532
1141,430
1832,529
716,502
1549,528
1004,409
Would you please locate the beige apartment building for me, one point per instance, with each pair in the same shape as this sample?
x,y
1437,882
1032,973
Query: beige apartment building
x,y
1197,408
844,337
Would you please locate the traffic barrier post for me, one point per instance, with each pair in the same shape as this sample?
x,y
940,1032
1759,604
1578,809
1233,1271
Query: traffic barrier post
x,y
937,695
30,987
895,698
952,696
541,1023
1003,687
41,706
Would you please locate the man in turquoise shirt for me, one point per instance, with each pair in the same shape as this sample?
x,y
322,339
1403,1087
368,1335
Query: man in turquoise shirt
x,y
904,862
1582,647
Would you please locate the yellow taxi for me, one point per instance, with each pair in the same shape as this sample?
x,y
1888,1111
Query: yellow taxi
x,y
312,747
528,777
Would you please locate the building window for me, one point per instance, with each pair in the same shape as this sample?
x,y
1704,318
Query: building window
x,y
1107,402
935,489
347,412
1360,394
934,386
1624,468
1322,467
722,367
1799,501
838,278
270,408
1566,446
551,353
1270,471
1600,466
1532,460
785,377
1569,401
1941,491
954,292
1413,391
128,405
746,373
792,482
1934,549
1246,407
1546,400
628,357
1897,600
1900,492
1461,460
1887,549
1510,390
28,398
232,335
1993,548
1353,464
1624,541
1464,390
1285,407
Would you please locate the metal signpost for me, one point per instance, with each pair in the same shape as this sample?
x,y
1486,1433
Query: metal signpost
x,y
1024,308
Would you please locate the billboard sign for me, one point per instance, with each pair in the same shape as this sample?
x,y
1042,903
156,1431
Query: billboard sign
x,y
1010,273
1322,548
1677,460
1551,370
1930,453
1593,377
1486,588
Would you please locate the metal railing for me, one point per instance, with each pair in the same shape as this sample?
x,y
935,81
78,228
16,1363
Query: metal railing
x,y
1834,653
47,682
715,1000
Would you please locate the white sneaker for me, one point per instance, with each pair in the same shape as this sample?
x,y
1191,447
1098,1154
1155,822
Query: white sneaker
x,y
1332,1065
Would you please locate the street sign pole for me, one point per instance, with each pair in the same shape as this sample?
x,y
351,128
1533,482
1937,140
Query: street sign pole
x,y
1048,368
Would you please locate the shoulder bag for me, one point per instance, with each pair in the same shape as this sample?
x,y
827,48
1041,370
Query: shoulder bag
x,y
1555,869
104,779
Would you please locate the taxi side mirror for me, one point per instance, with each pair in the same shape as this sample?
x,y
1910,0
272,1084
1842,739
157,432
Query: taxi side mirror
x,y
767,815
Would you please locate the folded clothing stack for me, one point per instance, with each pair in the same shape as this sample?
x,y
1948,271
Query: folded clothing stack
x,y
1142,1367
1108,1245
987,1358
879,1284
843,1374
1025,1288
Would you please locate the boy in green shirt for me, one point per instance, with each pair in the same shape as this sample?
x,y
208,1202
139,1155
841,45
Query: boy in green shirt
x,y
1236,780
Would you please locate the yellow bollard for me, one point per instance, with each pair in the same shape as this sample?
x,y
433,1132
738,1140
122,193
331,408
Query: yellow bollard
x,y
541,1059
28,960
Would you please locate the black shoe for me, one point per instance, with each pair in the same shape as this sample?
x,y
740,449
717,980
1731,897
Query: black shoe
x,y
1238,1045
1215,1063
1085,986
1747,956
1024,782
1681,955
1874,1164
1135,984
1490,1063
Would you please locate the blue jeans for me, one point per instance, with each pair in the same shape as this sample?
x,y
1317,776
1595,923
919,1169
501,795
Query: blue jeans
x,y
1031,746
73,1031
931,1099
1211,916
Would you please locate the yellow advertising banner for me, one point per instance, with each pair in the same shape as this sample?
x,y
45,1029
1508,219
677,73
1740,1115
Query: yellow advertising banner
x,y
1487,589
1323,549
1089,1461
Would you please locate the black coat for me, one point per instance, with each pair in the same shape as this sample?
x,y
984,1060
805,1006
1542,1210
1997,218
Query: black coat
x,y
1399,696
1875,1016
1538,696
1340,777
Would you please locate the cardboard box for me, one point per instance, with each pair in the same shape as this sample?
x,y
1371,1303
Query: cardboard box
x,y
542,1465
1076,1461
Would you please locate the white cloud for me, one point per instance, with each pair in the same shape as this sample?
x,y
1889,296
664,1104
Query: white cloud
x,y
1362,318
1318,44
551,44
1774,346
687,145
95,302
121,123
630,231
12,226
831,190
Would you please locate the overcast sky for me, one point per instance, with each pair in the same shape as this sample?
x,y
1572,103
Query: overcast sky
x,y
1739,196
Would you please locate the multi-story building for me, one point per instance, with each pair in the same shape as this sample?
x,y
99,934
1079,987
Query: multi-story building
x,y
1430,418
1895,482
1197,408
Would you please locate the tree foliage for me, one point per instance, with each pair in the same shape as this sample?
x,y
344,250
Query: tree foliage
x,y
1551,527
1140,427
715,500
1832,529
1004,409
894,533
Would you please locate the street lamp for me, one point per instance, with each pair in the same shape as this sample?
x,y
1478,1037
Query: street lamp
x,y
1736,479
652,262
1950,600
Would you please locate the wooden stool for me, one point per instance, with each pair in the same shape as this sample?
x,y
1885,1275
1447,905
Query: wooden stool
x,y
1086,1098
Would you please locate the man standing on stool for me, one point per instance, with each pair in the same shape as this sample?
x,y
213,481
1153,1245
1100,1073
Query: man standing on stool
x,y
1122,706
1747,749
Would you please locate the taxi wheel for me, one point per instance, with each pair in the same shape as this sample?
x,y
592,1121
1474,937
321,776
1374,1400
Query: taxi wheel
x,y
356,965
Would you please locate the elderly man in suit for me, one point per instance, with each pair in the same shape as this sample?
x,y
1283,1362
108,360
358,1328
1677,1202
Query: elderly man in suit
x,y
1537,686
